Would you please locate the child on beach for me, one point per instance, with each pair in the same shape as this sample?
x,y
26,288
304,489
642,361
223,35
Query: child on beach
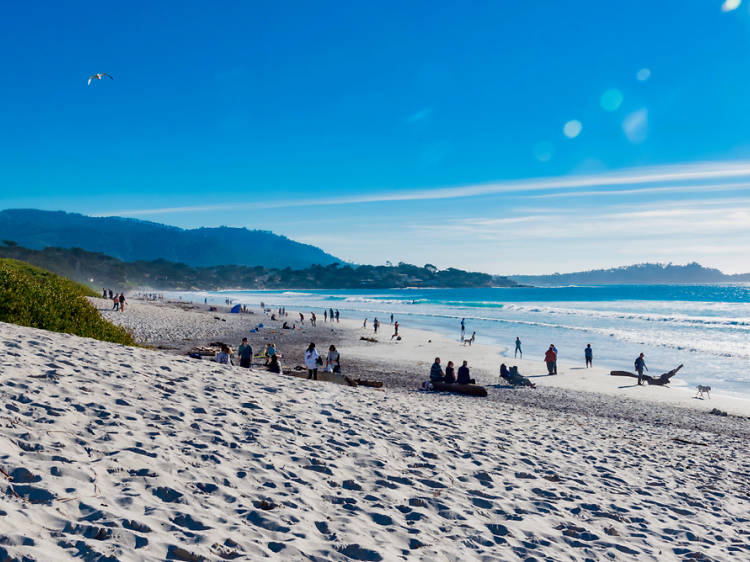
x,y
245,352
223,356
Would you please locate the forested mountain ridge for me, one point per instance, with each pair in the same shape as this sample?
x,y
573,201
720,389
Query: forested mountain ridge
x,y
98,270
132,240
639,274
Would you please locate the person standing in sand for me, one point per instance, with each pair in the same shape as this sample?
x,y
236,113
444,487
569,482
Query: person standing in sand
x,y
518,348
555,350
376,325
640,364
312,361
364,324
301,319
549,358
122,301
245,352
463,328
589,355
325,316
395,333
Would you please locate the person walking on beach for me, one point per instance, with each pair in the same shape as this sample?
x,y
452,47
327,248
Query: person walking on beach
x,y
640,364
325,316
312,360
375,325
463,328
395,333
391,317
330,314
313,319
337,316
122,301
301,319
550,357
364,324
333,360
436,371
245,352
589,354
115,302
518,348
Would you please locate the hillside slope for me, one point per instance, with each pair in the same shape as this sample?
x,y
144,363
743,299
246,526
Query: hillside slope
x,y
98,270
131,240
643,273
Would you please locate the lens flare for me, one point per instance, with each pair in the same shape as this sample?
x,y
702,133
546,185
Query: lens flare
x,y
572,128
730,5
611,100
544,151
643,74
635,126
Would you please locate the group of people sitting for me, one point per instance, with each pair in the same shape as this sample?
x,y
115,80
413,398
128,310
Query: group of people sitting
x,y
450,376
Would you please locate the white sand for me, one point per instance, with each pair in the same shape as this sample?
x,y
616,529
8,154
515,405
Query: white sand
x,y
135,454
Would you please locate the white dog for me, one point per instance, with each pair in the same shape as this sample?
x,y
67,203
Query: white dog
x,y
702,389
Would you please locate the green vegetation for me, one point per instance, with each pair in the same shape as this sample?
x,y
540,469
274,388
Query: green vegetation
x,y
99,270
33,297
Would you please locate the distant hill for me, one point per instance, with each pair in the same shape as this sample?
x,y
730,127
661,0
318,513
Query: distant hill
x,y
640,274
131,240
98,270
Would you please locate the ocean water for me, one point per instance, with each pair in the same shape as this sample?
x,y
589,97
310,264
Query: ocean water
x,y
705,327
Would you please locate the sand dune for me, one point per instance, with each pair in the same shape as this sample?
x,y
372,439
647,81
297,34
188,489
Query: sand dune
x,y
114,453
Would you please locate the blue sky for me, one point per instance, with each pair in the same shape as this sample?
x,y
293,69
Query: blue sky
x,y
509,137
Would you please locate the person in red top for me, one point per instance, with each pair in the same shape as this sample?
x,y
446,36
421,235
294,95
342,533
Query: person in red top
x,y
395,334
551,359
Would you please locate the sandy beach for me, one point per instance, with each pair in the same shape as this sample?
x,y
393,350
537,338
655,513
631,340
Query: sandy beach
x,y
117,453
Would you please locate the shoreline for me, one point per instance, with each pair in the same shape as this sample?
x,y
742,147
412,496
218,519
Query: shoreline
x,y
413,355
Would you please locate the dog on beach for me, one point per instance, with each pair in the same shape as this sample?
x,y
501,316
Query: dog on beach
x,y
702,389
469,340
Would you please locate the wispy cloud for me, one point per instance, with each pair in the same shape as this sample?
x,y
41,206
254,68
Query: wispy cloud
x,y
665,175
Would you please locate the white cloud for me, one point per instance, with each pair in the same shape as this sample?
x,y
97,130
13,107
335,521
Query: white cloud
x,y
635,176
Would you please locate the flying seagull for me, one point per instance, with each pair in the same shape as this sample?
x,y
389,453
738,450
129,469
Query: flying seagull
x,y
99,76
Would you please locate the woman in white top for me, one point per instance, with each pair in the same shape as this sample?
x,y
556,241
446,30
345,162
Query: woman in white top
x,y
312,360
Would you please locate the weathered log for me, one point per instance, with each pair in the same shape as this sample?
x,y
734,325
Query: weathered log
x,y
371,384
661,380
470,389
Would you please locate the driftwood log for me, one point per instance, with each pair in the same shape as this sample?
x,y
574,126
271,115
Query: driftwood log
x,y
470,389
661,380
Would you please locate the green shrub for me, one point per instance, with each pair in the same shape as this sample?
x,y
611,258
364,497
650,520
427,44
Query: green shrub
x,y
33,297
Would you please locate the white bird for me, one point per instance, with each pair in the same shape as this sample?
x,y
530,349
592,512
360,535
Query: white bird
x,y
99,76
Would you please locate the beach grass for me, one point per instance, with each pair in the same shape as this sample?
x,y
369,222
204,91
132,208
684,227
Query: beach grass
x,y
34,297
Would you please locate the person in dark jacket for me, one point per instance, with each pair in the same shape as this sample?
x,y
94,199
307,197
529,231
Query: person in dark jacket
x,y
463,374
589,355
450,373
640,364
503,372
436,371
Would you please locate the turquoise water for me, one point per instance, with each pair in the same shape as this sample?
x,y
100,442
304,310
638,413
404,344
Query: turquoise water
x,y
706,327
